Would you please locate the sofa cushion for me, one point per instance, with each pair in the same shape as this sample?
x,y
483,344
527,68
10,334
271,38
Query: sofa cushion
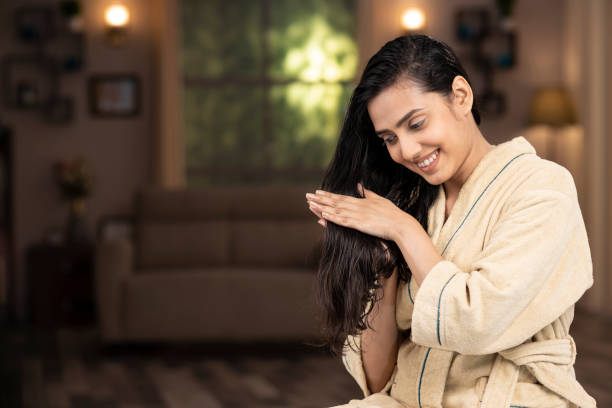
x,y
220,202
249,226
271,202
221,304
275,243
156,203
182,243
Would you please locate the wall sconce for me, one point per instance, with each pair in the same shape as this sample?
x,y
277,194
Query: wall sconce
x,y
413,21
116,17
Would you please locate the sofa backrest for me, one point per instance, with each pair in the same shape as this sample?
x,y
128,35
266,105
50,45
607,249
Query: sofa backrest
x,y
250,226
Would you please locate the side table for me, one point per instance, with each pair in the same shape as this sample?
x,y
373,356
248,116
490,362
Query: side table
x,y
60,285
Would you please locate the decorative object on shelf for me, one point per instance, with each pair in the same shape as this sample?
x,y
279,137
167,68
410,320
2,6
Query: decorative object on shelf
x,y
115,95
31,80
71,10
413,21
34,24
116,18
492,47
552,106
28,81
112,227
75,182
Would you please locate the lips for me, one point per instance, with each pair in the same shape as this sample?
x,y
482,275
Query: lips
x,y
428,157
432,166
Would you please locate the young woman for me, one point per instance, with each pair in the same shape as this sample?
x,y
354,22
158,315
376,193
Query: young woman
x,y
450,266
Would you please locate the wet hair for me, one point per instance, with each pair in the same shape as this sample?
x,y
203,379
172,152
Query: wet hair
x,y
352,261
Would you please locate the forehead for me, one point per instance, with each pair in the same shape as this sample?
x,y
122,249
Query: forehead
x,y
392,103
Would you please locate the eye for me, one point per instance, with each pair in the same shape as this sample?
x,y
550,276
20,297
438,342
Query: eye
x,y
388,140
417,125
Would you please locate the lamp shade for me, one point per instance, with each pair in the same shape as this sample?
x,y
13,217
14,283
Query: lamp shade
x,y
551,106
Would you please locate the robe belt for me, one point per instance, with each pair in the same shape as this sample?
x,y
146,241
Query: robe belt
x,y
550,362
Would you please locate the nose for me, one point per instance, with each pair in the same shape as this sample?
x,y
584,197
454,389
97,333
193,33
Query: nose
x,y
409,148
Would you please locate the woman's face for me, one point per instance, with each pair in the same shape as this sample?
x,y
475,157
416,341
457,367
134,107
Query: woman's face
x,y
423,131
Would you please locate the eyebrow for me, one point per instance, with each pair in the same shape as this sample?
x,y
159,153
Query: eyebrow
x,y
399,122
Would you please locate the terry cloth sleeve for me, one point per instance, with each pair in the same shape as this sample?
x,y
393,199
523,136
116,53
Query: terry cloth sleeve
x,y
351,358
536,264
404,304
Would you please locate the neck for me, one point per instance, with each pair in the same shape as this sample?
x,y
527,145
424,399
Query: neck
x,y
477,150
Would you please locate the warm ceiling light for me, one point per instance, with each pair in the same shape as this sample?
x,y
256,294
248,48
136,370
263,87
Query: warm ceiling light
x,y
117,15
413,19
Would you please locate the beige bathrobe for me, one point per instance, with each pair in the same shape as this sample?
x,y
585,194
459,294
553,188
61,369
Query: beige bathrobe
x,y
490,323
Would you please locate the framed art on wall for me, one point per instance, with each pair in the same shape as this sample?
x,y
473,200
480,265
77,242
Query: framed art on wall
x,y
116,95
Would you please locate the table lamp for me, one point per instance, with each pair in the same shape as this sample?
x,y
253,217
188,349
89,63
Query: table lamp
x,y
551,106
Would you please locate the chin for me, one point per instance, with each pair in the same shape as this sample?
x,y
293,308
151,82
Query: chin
x,y
435,179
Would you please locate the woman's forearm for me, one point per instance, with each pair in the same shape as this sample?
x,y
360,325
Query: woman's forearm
x,y
379,344
417,248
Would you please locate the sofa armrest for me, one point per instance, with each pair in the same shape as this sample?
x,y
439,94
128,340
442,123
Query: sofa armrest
x,y
113,264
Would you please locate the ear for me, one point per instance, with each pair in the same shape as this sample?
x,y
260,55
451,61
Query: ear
x,y
463,96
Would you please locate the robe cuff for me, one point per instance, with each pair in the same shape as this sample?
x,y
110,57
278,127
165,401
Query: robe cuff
x,y
428,318
354,365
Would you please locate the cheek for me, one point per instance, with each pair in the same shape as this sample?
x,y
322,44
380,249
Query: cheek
x,y
394,152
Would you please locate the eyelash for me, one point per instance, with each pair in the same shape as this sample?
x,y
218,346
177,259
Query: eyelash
x,y
414,127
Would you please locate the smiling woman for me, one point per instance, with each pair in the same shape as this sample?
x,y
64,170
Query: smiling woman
x,y
435,282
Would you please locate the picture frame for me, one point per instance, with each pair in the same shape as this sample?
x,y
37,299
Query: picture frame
x,y
114,95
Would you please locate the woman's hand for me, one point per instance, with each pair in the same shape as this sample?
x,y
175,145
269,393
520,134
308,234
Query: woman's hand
x,y
373,214
317,212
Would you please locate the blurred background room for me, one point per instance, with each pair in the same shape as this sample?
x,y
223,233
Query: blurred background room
x,y
156,248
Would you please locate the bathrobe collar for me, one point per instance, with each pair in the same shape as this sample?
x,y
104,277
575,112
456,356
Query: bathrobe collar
x,y
486,171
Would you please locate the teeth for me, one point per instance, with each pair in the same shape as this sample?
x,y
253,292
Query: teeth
x,y
429,160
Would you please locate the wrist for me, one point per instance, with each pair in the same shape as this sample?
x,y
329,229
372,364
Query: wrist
x,y
402,225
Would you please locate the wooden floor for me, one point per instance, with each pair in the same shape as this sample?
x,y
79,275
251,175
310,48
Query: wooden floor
x,y
70,369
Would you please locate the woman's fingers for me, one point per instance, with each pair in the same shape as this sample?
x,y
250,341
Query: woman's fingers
x,y
315,209
318,214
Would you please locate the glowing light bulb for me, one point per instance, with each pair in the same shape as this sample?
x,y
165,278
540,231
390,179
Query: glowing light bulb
x,y
117,15
413,19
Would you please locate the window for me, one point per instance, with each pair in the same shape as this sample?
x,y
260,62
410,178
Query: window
x,y
266,83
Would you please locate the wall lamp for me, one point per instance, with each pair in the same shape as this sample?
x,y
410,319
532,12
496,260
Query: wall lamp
x,y
116,17
413,21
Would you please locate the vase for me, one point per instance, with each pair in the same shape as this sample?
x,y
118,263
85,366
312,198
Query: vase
x,y
76,230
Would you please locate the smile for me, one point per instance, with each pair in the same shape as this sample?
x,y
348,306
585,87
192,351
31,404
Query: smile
x,y
429,162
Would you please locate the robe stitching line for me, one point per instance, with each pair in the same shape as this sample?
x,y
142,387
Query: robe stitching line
x,y
457,230
476,202
439,300
409,291
421,378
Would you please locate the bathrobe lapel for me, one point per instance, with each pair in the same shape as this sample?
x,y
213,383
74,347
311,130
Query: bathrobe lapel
x,y
472,196
473,192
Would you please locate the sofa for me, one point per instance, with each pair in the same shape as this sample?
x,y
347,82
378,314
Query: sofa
x,y
212,264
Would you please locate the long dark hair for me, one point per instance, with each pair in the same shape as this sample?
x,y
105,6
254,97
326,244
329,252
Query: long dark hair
x,y
351,261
